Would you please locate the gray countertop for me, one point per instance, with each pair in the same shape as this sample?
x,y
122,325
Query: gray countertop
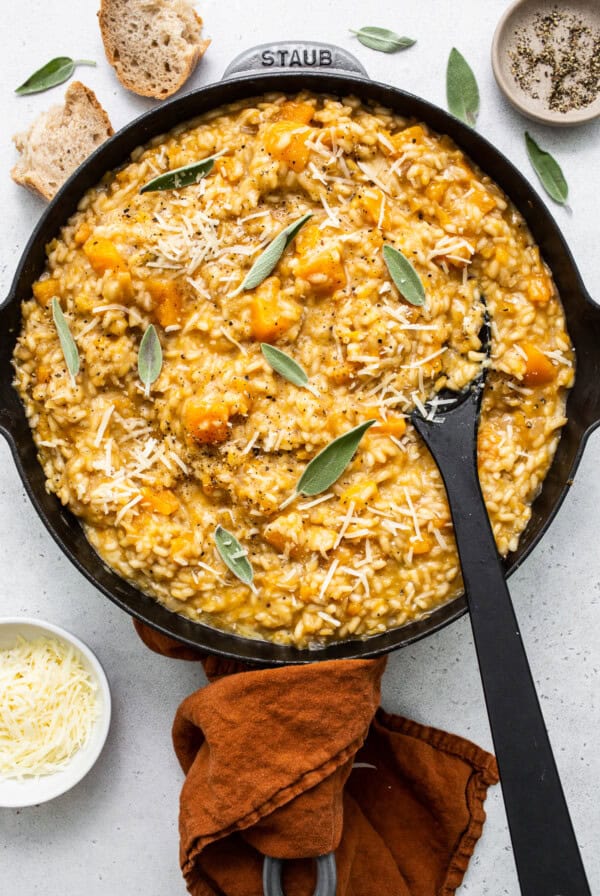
x,y
116,832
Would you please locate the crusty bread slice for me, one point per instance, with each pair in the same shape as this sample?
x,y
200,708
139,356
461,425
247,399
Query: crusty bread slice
x,y
153,45
59,140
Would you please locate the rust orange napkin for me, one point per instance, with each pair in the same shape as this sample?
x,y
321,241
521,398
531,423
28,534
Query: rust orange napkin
x,y
298,761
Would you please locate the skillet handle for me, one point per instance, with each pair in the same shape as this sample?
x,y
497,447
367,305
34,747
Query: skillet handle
x,y
294,56
326,876
545,849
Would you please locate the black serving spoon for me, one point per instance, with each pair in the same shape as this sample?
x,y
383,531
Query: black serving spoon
x,y
546,853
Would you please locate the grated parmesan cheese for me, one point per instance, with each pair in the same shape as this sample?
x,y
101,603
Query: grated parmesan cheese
x,y
345,523
124,510
425,360
48,705
413,513
103,424
327,580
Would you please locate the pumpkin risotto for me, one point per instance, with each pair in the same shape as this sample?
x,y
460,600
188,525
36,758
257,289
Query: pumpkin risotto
x,y
221,438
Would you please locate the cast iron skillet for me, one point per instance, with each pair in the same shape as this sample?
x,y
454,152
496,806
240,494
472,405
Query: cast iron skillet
x,y
290,67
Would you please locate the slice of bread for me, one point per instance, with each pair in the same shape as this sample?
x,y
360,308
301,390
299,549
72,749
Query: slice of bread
x,y
153,45
59,140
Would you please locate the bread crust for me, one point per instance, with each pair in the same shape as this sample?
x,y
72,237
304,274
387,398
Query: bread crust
x,y
28,171
79,91
115,46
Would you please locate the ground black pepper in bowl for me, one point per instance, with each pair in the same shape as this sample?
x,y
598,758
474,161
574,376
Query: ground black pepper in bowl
x,y
556,59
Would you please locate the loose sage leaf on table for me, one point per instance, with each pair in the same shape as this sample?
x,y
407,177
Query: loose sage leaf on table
x,y
461,88
382,39
67,343
329,464
284,365
267,260
182,177
233,555
404,275
57,71
548,170
149,358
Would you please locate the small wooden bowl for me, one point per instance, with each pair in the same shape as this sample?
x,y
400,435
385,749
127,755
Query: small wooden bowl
x,y
519,17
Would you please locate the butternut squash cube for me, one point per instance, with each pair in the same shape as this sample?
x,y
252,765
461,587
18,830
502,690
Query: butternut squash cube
x,y
182,545
45,290
309,238
82,234
409,136
442,216
43,373
322,267
162,501
539,370
341,373
484,201
103,255
206,421
360,493
270,314
393,425
539,289
167,299
374,204
85,303
275,537
436,190
286,142
421,545
299,112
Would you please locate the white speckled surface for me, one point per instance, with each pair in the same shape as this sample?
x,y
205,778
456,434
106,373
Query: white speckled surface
x,y
117,831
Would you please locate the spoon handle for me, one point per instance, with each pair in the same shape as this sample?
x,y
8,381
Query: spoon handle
x,y
546,853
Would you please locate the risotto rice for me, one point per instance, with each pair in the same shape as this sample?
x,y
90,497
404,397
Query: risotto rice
x,y
222,439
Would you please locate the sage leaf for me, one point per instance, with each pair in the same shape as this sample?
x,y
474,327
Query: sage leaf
x,y
404,275
233,555
182,177
462,92
67,343
57,71
548,170
329,464
149,358
383,40
284,365
267,260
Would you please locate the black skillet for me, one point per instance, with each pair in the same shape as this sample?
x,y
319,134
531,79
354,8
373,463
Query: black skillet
x,y
290,67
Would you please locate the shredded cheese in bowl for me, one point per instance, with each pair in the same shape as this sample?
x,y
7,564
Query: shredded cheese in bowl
x,y
48,705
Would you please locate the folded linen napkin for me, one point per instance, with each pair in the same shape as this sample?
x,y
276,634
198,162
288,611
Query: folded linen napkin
x,y
297,761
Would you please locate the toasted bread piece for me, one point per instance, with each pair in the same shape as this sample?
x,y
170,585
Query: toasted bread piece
x,y
153,45
59,140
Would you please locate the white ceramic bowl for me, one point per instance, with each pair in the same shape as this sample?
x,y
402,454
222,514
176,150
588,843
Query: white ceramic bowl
x,y
31,791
